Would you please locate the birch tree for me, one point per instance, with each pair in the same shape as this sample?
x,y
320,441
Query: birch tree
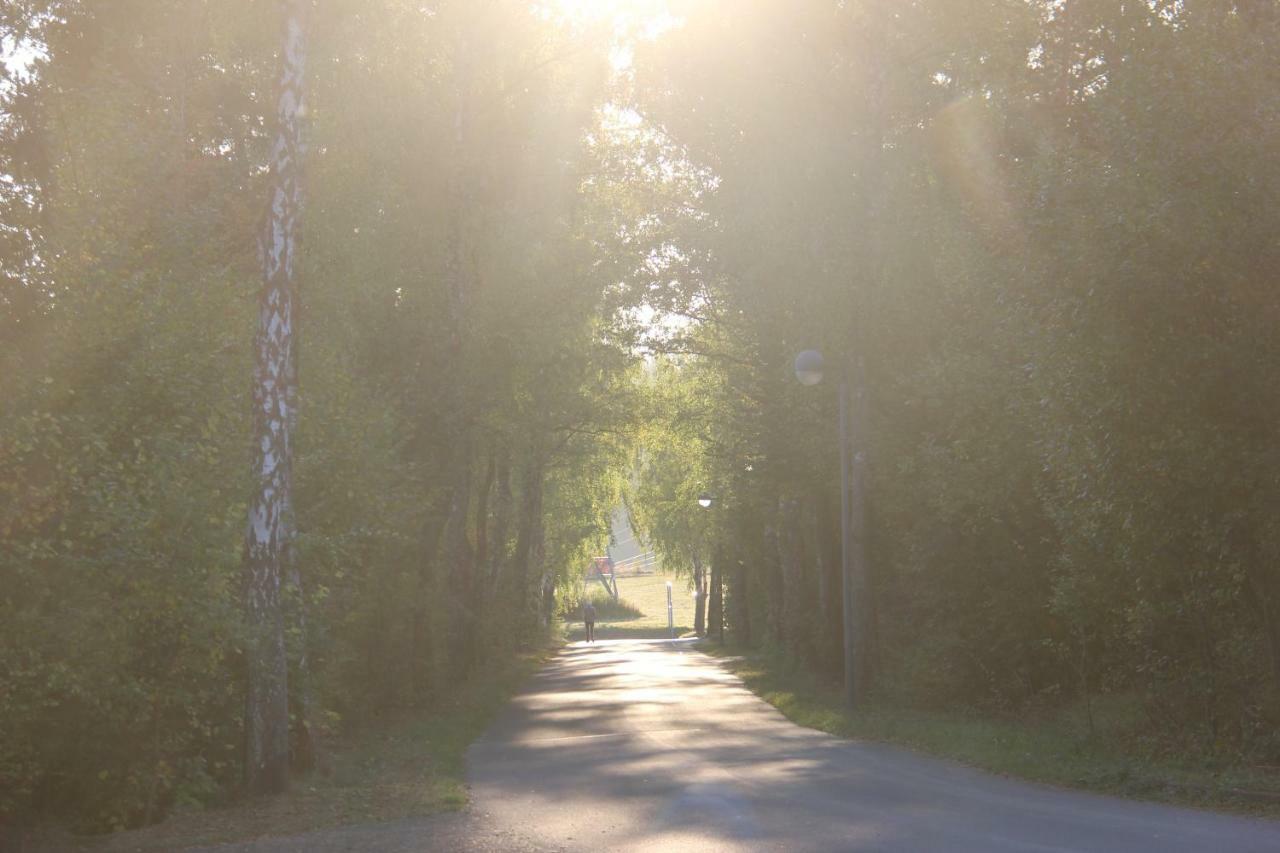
x,y
267,540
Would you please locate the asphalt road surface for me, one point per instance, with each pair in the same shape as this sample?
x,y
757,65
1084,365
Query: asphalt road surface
x,y
650,745
634,745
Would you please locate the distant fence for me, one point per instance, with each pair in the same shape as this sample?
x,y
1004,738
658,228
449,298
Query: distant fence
x,y
641,564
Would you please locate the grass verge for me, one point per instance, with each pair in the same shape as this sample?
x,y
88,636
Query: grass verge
x,y
411,765
1050,751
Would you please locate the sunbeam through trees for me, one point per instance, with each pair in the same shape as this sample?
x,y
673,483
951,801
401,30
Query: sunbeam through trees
x,y
427,308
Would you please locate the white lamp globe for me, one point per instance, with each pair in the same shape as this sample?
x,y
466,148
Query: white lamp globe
x,y
809,367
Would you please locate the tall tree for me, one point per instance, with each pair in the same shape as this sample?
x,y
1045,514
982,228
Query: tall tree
x,y
268,538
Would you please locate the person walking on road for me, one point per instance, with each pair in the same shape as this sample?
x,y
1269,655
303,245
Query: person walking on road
x,y
589,620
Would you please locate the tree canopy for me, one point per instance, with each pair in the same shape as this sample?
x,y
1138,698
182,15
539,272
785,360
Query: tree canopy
x,y
551,261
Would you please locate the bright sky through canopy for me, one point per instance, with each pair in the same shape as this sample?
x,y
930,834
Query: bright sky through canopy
x,y
648,18
625,21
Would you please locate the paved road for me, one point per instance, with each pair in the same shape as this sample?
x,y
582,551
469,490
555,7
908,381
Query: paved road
x,y
634,745
646,745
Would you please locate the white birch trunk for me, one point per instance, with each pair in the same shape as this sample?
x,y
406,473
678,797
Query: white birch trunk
x,y
267,540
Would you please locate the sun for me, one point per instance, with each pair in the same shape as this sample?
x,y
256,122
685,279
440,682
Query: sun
x,y
622,23
640,18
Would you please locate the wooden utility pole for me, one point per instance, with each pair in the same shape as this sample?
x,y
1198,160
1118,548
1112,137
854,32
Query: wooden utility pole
x,y
854,441
875,54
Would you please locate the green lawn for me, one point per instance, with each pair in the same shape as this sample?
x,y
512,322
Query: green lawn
x,y
648,594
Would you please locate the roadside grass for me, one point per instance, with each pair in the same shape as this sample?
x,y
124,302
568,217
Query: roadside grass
x,y
410,765
1054,750
647,594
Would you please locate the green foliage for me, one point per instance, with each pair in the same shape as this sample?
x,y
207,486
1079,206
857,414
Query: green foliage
x,y
1047,231
124,434
1042,230
402,765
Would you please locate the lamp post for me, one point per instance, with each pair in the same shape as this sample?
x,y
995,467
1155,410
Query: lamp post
x,y
809,368
713,603
671,621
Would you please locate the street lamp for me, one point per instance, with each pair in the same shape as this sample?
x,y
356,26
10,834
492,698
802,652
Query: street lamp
x,y
705,500
808,367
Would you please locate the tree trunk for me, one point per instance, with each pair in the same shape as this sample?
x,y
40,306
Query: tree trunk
x,y
795,621
700,597
306,749
858,567
740,599
480,601
458,556
266,760
482,514
424,664
501,522
775,603
306,753
458,560
528,554
715,602
829,581
548,592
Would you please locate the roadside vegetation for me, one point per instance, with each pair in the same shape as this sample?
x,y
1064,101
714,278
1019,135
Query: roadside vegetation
x,y
403,765
1055,746
1034,243
458,448
333,334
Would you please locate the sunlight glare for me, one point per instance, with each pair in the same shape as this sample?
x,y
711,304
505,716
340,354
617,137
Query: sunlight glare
x,y
626,21
646,18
